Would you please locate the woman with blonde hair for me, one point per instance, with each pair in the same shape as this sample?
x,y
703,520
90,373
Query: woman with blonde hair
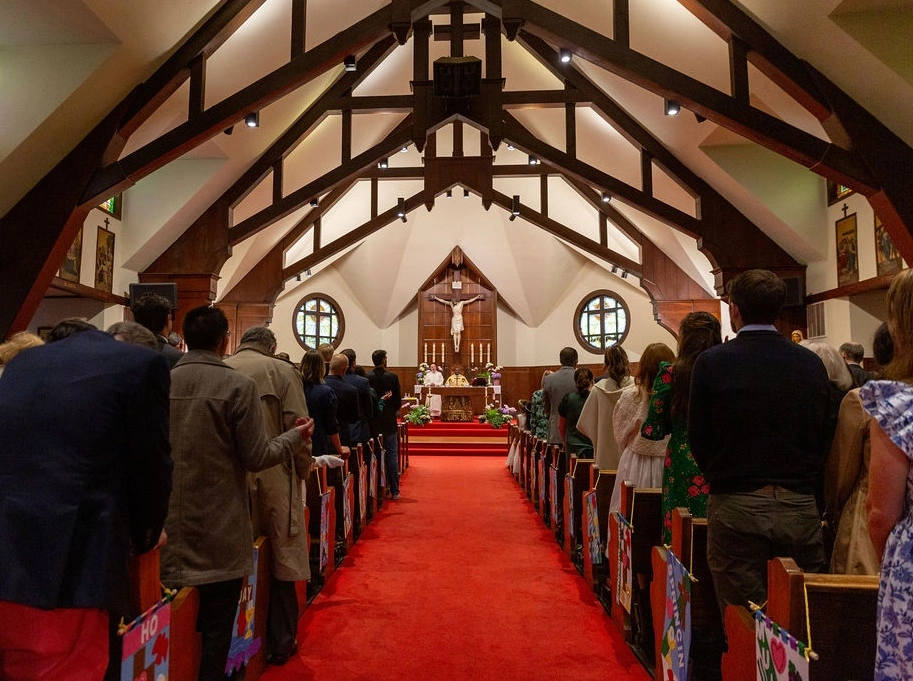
x,y
641,459
890,498
16,344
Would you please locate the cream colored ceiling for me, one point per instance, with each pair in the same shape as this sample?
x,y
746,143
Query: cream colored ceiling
x,y
65,63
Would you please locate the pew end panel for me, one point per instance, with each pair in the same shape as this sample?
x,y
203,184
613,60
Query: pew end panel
x,y
738,661
186,643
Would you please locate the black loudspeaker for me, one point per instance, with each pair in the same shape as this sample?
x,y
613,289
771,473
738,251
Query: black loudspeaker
x,y
456,77
169,291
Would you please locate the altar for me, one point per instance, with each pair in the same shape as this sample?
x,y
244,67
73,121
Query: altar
x,y
458,404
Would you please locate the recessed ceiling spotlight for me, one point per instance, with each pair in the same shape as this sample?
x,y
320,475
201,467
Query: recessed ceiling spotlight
x,y
252,120
383,163
606,197
672,107
565,55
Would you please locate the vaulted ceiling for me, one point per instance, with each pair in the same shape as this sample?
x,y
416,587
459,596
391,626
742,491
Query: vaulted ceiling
x,y
101,96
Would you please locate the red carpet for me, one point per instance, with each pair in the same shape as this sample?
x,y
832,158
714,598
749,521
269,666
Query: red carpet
x,y
461,438
457,580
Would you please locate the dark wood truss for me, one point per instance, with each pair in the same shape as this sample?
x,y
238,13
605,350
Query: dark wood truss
x,y
861,154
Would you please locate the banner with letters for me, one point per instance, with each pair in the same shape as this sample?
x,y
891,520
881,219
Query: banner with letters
x,y
145,645
779,655
243,643
591,527
675,646
625,581
569,504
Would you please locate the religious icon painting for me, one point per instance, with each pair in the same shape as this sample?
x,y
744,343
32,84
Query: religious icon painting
x,y
104,260
72,262
887,257
847,251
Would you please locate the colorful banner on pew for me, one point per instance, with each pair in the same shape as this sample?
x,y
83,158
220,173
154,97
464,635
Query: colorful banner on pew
x,y
373,484
553,494
348,501
569,504
779,655
145,645
676,643
324,530
625,581
540,476
594,540
243,643
363,493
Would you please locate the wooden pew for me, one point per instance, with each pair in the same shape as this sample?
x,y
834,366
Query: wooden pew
x,y
576,483
343,483
689,543
642,507
841,616
596,574
361,492
375,491
317,490
557,469
402,449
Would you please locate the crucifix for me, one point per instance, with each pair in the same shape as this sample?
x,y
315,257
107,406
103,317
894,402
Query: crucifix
x,y
456,302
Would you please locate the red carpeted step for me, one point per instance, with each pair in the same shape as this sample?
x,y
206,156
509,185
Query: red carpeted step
x,y
457,580
457,438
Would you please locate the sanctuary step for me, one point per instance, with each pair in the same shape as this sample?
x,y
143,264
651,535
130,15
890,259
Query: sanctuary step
x,y
457,438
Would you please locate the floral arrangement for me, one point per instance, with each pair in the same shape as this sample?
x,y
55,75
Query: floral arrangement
x,y
497,416
418,415
420,374
484,375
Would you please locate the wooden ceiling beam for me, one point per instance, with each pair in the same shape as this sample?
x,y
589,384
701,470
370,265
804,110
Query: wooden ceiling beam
x,y
567,234
173,144
392,143
573,167
351,238
824,157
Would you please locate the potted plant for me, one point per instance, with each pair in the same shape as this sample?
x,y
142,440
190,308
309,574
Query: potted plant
x,y
418,415
497,416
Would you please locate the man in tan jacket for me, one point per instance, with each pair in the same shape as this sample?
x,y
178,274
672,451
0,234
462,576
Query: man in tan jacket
x,y
276,502
217,436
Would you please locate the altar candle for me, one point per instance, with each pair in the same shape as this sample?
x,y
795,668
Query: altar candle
x,y
489,353
426,353
442,353
433,352
472,353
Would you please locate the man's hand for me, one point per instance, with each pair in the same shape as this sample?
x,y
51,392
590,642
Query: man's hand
x,y
387,395
344,452
305,427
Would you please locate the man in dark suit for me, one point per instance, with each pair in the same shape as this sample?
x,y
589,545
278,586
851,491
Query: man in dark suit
x,y
154,312
853,354
346,399
554,387
362,431
86,477
386,385
758,430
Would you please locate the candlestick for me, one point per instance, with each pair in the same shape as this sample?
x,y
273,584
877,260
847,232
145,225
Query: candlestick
x,y
472,353
433,352
489,353
426,353
442,353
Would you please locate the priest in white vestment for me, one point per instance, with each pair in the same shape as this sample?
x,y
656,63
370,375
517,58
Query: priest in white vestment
x,y
433,376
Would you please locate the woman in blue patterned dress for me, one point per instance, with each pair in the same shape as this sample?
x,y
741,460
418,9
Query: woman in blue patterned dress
x,y
683,483
890,499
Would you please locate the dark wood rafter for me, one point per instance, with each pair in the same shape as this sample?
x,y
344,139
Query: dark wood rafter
x,y
824,157
291,202
315,62
568,235
351,238
660,210
723,230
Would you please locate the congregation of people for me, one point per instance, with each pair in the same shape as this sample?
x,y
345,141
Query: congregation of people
x,y
115,443
788,447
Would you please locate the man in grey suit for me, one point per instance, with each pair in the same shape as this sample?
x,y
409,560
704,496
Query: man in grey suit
x,y
554,387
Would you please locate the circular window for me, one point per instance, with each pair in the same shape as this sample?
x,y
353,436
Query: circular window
x,y
317,320
601,321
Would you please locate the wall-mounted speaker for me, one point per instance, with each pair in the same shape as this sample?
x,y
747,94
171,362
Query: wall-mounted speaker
x,y
169,291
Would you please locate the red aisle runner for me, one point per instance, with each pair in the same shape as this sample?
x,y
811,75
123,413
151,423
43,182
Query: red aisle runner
x,y
457,580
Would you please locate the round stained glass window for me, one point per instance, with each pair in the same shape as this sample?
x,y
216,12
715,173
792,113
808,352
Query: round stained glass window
x,y
601,321
317,319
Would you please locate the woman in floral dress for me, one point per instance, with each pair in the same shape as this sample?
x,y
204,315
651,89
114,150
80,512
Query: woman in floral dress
x,y
683,483
538,419
890,499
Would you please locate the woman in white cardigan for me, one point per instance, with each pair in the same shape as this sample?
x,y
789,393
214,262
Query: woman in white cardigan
x,y
641,459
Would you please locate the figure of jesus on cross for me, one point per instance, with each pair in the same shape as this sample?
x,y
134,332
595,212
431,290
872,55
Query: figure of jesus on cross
x,y
456,322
